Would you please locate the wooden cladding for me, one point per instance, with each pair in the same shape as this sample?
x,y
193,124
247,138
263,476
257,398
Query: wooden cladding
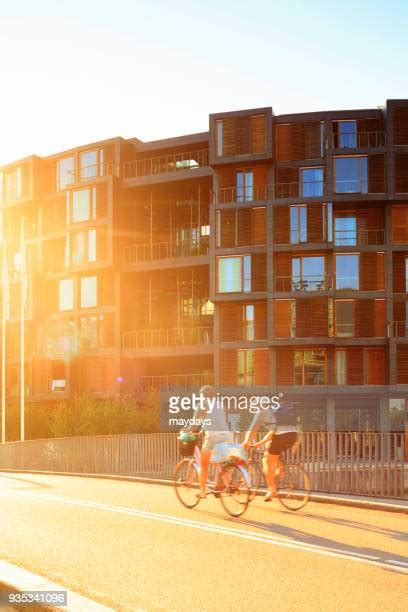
x,y
376,174
228,176
241,136
241,227
298,141
243,321
301,318
401,173
402,364
372,271
254,372
399,216
401,125
364,366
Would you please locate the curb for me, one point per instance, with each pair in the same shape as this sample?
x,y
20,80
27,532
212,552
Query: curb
x,y
358,502
17,579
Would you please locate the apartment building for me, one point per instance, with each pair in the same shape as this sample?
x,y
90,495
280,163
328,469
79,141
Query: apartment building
x,y
270,252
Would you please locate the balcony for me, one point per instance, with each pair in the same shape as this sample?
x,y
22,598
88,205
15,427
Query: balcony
x,y
399,329
190,160
167,381
359,140
360,237
309,189
320,282
227,195
156,338
138,253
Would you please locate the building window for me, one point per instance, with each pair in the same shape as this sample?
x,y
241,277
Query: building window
x,y
345,311
91,164
88,333
245,185
345,230
83,205
219,137
84,247
249,322
347,271
327,213
351,174
397,415
308,274
310,367
14,188
89,291
205,230
66,294
347,134
234,274
245,367
341,367
298,224
65,172
311,182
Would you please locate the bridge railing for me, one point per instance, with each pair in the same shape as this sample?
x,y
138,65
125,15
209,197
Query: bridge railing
x,y
338,462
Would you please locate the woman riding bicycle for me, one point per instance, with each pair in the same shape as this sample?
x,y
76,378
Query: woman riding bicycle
x,y
281,434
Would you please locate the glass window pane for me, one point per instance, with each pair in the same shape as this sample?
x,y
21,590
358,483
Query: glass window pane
x,y
344,318
92,245
219,138
88,164
351,174
249,327
294,225
240,186
312,273
88,333
347,134
347,272
314,367
66,294
229,274
247,273
89,292
79,248
250,368
341,367
65,171
345,231
81,205
249,185
311,182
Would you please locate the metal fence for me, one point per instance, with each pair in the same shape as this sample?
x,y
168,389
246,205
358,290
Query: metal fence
x,y
348,462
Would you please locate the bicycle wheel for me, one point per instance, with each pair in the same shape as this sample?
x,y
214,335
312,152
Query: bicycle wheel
x,y
293,487
255,479
186,483
234,489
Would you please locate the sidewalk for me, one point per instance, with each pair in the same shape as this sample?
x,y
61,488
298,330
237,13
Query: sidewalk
x,y
356,501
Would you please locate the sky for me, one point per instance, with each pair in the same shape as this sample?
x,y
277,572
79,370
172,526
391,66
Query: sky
x,y
78,71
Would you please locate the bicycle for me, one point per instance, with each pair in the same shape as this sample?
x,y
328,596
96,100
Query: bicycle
x,y
292,481
231,483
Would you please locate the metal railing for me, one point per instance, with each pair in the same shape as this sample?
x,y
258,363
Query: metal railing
x,y
338,462
361,140
86,173
189,160
359,237
179,336
136,253
307,189
168,381
252,193
318,282
399,329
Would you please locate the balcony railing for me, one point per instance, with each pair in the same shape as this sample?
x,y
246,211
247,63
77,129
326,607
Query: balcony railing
x,y
361,140
359,237
86,173
181,336
166,381
190,160
309,189
318,282
252,193
399,329
138,253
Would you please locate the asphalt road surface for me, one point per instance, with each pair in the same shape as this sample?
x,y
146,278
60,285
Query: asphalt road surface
x,y
132,546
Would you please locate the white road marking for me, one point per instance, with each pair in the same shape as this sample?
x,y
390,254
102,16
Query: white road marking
x,y
214,528
22,580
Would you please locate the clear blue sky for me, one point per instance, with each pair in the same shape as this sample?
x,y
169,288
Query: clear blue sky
x,y
74,71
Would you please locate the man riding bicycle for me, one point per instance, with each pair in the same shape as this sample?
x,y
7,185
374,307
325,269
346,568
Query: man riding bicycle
x,y
278,438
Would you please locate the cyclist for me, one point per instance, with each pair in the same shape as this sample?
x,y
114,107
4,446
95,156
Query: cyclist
x,y
219,432
278,437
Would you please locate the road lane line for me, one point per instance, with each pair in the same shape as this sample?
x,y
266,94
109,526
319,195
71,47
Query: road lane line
x,y
20,579
214,528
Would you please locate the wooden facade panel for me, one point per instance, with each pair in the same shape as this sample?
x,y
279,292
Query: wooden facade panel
x,y
258,272
376,366
376,174
314,222
228,367
401,125
298,141
401,173
372,271
402,364
231,321
281,224
355,365
399,219
282,318
399,272
285,372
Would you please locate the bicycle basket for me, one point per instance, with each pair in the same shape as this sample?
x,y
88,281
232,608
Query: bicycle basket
x,y
187,441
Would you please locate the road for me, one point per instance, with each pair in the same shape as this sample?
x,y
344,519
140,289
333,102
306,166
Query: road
x,y
133,546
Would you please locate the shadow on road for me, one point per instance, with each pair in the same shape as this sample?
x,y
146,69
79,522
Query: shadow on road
x,y
33,483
